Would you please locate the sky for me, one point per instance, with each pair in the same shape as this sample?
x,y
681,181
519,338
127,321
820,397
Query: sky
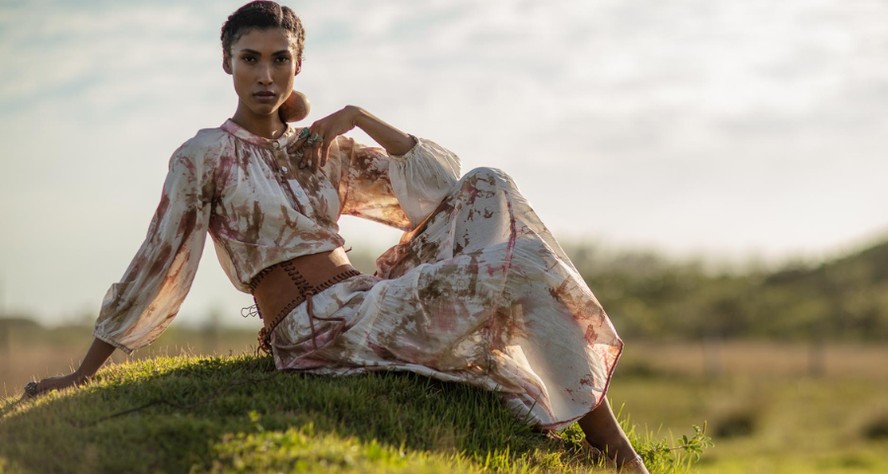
x,y
696,128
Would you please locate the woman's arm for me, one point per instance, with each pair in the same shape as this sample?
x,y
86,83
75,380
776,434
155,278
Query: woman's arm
x,y
393,140
399,186
146,299
97,354
138,308
314,144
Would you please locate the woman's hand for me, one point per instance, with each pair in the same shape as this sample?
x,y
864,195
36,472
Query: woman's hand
x,y
53,383
313,145
95,356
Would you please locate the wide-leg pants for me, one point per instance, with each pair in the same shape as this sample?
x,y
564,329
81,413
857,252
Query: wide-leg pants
x,y
479,293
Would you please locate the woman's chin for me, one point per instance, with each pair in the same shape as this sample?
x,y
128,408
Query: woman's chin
x,y
262,109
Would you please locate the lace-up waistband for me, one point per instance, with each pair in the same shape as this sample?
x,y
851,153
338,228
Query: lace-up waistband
x,y
280,288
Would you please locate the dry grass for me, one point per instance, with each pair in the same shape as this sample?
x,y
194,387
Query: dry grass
x,y
738,358
33,353
767,409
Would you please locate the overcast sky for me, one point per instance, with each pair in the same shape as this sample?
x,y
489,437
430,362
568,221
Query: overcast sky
x,y
731,130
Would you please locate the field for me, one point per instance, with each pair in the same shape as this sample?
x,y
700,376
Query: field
x,y
769,407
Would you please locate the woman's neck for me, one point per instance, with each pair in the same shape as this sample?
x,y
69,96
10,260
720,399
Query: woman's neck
x,y
267,126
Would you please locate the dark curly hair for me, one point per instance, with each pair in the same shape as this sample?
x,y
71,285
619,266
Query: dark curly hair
x,y
263,15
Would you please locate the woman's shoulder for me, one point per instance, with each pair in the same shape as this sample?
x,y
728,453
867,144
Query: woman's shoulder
x,y
206,139
202,151
207,142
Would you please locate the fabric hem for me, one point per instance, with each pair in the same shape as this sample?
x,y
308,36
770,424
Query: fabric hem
x,y
559,425
416,143
116,344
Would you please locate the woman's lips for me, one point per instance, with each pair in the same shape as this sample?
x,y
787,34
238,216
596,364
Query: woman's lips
x,y
265,96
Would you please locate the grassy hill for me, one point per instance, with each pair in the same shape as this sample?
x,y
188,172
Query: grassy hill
x,y
236,414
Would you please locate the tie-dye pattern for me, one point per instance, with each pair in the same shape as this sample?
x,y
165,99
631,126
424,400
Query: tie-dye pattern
x,y
477,291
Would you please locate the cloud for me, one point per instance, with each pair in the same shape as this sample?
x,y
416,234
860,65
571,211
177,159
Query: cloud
x,y
704,125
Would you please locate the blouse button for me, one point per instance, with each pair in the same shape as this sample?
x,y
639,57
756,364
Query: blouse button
x,y
284,169
276,144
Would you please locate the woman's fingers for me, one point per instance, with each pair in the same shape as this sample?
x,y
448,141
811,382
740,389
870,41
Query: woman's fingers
x,y
312,147
324,152
319,155
298,151
48,384
312,152
297,145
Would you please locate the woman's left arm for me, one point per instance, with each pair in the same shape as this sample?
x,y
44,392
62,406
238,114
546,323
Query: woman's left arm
x,y
398,186
314,143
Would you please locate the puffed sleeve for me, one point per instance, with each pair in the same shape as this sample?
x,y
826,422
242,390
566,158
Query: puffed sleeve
x,y
398,190
138,308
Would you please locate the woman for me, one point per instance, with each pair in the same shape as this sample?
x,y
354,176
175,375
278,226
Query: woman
x,y
477,291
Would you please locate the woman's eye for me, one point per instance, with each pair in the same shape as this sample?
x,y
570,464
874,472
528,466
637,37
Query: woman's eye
x,y
282,59
248,59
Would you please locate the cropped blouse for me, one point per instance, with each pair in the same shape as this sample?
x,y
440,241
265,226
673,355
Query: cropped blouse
x,y
261,209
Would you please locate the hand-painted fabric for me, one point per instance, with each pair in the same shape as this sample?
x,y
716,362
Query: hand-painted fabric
x,y
477,291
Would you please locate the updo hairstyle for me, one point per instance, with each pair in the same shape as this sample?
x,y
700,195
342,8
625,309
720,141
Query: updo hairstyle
x,y
263,15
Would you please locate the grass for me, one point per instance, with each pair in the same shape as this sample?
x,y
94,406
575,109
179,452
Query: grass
x,y
768,424
798,420
237,414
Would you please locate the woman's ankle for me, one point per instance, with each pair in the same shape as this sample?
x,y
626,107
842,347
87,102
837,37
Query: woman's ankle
x,y
619,451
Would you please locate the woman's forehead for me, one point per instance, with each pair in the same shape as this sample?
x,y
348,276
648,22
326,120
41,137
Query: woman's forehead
x,y
261,39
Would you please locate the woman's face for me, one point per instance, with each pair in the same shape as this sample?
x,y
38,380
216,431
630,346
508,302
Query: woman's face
x,y
263,67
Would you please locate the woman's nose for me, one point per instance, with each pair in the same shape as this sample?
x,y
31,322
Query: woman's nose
x,y
264,74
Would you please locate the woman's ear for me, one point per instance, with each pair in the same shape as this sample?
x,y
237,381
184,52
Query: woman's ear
x,y
298,67
226,63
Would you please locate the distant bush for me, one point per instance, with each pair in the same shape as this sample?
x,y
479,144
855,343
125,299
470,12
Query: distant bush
x,y
877,429
653,297
735,424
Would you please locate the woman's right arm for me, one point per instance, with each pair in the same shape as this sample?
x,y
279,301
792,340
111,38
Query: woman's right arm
x,y
139,307
142,304
97,354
